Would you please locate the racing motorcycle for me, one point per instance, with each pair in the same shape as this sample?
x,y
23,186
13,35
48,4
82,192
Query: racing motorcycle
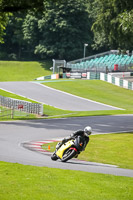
x,y
69,149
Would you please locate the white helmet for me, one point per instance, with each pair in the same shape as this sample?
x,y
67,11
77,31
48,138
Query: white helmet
x,y
87,131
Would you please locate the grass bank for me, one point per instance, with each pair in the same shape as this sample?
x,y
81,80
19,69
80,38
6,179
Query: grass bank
x,y
37,183
23,71
91,89
115,149
48,110
97,90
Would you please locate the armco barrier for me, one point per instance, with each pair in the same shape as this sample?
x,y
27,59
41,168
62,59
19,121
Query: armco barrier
x,y
25,106
6,113
111,77
116,81
52,76
93,75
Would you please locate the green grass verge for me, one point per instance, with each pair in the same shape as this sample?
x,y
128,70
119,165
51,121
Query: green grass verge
x,y
27,71
48,110
97,90
6,114
11,95
17,114
115,149
29,182
23,71
92,89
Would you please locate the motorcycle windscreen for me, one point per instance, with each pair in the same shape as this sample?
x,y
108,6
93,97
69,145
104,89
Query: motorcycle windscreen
x,y
65,146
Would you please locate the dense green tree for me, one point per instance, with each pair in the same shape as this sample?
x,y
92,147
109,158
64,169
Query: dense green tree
x,y
64,28
13,40
126,21
12,6
3,23
113,23
58,29
31,32
19,5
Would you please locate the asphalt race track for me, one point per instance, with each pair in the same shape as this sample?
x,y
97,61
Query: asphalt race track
x,y
56,98
13,134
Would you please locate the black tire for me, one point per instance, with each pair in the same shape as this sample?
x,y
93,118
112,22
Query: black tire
x,y
54,157
70,153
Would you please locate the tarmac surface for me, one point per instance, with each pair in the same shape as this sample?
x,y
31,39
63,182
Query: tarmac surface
x,y
56,98
14,134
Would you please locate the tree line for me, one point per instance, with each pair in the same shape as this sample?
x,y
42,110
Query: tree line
x,y
46,29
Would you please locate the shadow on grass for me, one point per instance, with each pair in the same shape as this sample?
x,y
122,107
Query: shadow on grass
x,y
46,65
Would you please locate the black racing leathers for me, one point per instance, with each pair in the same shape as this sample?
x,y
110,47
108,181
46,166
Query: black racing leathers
x,y
76,134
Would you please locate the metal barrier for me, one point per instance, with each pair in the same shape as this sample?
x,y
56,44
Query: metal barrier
x,y
25,106
114,79
6,112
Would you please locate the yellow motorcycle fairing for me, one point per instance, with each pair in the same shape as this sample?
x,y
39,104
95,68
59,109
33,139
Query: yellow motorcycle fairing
x,y
65,146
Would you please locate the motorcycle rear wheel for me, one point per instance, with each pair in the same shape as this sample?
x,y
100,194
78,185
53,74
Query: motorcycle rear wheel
x,y
70,153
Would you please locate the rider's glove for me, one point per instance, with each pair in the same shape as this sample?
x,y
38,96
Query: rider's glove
x,y
72,135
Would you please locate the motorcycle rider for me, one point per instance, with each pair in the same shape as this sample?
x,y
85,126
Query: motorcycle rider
x,y
83,133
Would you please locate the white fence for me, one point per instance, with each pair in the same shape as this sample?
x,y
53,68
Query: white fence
x,y
24,106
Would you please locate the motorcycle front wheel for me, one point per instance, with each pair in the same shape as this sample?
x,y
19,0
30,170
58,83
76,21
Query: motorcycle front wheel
x,y
54,157
70,153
